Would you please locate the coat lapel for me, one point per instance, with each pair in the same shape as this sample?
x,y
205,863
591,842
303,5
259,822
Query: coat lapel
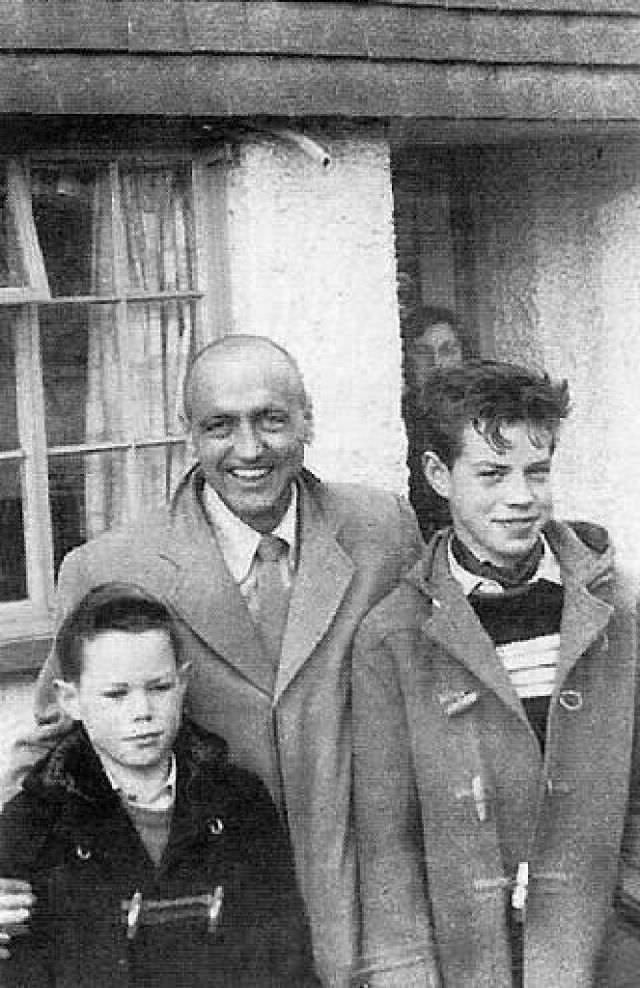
x,y
324,574
454,625
206,595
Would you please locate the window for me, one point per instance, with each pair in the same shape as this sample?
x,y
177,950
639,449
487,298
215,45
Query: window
x,y
100,307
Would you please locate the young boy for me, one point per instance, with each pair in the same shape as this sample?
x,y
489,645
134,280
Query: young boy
x,y
493,711
153,860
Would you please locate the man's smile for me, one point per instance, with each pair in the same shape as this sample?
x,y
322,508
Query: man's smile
x,y
250,474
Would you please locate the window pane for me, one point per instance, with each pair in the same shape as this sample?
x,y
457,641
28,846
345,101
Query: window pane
x,y
160,338
13,568
159,470
157,214
12,270
88,494
82,374
8,415
72,214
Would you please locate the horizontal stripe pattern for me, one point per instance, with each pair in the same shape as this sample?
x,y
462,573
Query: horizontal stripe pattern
x,y
532,664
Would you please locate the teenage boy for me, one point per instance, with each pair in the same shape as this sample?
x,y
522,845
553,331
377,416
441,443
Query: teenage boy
x,y
493,705
153,860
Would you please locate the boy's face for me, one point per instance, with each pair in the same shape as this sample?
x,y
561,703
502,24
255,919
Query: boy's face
x,y
129,698
499,500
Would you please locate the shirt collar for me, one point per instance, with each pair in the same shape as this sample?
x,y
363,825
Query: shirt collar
x,y
548,569
162,799
238,541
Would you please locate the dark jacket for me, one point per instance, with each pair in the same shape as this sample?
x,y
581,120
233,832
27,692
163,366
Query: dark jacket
x,y
452,791
68,833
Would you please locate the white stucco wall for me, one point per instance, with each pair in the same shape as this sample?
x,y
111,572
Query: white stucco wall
x,y
313,266
16,718
558,270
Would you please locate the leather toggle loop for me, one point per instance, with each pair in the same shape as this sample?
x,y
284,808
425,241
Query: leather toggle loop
x,y
571,700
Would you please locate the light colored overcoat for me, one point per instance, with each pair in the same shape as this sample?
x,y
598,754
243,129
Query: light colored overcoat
x,y
353,544
452,791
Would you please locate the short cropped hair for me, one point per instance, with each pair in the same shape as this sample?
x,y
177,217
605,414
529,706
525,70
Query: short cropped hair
x,y
489,395
110,607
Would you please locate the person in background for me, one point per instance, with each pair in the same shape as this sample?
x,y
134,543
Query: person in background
x,y
494,698
433,340
154,860
269,571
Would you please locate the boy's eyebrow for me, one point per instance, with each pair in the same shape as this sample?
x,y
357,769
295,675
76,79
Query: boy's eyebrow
x,y
145,682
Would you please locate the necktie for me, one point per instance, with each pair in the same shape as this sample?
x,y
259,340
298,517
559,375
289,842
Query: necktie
x,y
271,595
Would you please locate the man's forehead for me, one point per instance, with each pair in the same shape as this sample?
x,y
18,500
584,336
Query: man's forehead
x,y
259,370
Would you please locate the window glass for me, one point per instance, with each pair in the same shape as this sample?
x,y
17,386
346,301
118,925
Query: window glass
x,y
13,568
12,269
87,495
82,371
160,340
72,213
159,469
8,413
158,218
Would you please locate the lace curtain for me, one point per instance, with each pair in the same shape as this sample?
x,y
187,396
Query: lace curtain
x,y
136,391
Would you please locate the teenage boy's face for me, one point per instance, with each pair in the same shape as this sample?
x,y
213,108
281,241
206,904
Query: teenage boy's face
x,y
129,698
499,500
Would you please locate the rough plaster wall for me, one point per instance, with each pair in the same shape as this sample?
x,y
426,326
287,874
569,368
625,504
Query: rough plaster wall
x,y
313,266
558,243
16,716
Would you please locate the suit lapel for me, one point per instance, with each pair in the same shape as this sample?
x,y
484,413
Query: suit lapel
x,y
324,574
206,594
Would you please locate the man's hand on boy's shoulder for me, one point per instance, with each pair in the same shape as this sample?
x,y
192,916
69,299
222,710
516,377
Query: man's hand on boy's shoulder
x,y
16,903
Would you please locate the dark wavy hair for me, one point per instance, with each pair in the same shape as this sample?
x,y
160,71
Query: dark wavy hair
x,y
110,607
489,395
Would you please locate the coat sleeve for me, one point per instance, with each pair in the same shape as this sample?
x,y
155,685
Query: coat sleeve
x,y
398,948
628,893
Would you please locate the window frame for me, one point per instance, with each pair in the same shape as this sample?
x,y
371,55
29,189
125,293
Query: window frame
x,y
32,619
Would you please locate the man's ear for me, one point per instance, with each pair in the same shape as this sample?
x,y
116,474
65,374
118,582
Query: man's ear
x,y
67,698
436,473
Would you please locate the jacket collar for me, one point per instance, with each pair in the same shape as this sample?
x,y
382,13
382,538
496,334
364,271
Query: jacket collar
x,y
73,770
206,595
587,577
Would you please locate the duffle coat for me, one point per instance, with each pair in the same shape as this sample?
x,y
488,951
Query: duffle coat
x,y
453,794
70,836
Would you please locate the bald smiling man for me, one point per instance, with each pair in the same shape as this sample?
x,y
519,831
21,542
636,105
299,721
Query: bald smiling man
x,y
283,708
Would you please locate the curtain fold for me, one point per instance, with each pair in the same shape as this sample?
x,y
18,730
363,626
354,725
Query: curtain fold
x,y
157,220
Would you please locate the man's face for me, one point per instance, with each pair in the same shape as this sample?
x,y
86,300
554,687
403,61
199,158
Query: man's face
x,y
499,500
129,698
249,429
438,346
